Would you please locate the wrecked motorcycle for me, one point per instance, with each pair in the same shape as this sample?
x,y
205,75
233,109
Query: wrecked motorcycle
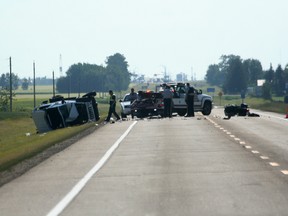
x,y
235,110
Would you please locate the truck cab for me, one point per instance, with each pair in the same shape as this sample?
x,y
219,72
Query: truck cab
x,y
202,102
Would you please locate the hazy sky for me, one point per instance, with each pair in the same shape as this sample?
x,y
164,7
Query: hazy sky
x,y
179,35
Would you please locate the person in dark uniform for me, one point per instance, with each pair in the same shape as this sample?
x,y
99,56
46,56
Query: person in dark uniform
x,y
112,107
167,96
133,97
189,99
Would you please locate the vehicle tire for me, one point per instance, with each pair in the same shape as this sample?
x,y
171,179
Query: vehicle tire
x,y
181,112
207,108
139,114
123,115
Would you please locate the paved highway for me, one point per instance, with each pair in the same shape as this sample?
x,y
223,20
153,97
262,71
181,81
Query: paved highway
x,y
178,166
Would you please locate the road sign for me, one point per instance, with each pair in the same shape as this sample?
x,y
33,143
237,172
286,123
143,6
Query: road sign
x,y
210,89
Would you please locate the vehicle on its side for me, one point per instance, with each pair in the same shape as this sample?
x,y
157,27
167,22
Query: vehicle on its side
x,y
149,103
125,105
60,112
202,102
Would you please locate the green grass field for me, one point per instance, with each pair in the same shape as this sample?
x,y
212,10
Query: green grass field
x,y
18,137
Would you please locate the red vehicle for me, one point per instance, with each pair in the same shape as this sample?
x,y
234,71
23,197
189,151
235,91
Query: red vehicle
x,y
149,103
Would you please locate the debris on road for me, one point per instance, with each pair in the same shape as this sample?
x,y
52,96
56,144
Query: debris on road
x,y
242,110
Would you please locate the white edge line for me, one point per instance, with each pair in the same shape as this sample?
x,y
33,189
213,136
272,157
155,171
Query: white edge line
x,y
272,116
80,185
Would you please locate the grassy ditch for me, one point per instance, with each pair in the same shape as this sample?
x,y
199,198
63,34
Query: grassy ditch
x,y
18,137
19,140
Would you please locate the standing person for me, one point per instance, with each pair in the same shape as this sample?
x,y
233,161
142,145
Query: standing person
x,y
167,96
189,99
133,97
112,107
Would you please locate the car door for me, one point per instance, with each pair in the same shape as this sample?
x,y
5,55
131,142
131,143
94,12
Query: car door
x,y
179,97
197,100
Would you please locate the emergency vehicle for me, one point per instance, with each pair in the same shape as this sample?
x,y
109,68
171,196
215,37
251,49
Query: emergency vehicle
x,y
202,102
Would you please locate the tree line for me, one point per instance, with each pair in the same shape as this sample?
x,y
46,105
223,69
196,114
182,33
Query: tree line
x,y
235,75
85,77
81,77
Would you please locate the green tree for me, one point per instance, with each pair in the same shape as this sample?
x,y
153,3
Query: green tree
x,y
269,75
25,84
117,73
84,77
252,70
235,81
214,76
279,81
5,81
266,91
5,99
286,77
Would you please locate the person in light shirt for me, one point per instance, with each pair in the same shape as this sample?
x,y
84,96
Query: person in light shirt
x,y
167,96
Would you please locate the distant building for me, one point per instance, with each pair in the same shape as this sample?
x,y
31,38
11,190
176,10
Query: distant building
x,y
181,77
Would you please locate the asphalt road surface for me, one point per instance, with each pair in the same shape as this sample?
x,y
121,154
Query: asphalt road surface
x,y
178,166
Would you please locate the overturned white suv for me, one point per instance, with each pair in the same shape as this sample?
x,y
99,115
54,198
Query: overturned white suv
x,y
202,102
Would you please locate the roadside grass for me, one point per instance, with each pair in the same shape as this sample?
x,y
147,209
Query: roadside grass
x,y
276,105
18,137
38,89
20,146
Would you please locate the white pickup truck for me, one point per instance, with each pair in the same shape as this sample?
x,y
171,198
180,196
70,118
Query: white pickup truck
x,y
202,102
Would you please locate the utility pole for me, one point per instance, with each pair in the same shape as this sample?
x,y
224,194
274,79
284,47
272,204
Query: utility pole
x,y
192,78
69,85
10,63
60,66
53,84
34,84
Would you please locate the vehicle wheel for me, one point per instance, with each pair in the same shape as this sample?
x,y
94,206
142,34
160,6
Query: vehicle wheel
x,y
123,115
139,114
181,112
207,108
